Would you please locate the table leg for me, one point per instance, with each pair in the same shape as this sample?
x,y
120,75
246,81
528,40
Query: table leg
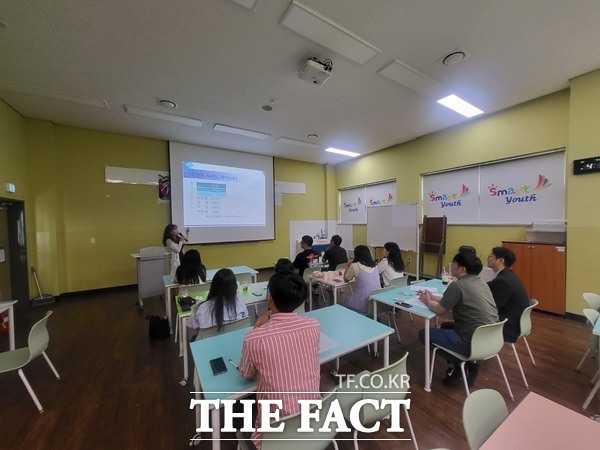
x,y
216,427
11,327
386,351
375,319
335,295
310,286
427,356
168,306
185,349
180,320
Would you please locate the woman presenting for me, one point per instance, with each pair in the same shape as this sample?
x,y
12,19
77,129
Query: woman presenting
x,y
173,241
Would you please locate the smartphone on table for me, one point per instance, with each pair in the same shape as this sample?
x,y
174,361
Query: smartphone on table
x,y
218,366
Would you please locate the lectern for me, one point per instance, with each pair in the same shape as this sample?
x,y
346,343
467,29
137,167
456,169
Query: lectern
x,y
150,271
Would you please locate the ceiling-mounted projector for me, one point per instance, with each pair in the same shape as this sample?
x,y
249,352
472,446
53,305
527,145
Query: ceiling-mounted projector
x,y
315,71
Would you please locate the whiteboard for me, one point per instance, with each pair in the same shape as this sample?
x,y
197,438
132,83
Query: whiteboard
x,y
394,223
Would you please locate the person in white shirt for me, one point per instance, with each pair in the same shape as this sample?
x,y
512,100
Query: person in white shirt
x,y
174,241
392,264
223,304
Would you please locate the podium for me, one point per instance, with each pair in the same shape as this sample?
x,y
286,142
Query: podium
x,y
150,271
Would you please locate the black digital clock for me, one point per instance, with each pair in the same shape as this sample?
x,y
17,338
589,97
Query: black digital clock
x,y
587,165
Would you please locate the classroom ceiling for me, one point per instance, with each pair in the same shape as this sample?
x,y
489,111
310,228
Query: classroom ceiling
x,y
79,63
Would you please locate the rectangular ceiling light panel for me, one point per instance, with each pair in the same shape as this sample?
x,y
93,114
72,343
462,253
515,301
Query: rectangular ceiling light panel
x,y
410,78
298,143
328,34
145,112
240,131
457,104
55,95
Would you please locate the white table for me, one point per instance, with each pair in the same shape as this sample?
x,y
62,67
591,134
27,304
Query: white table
x,y
401,295
357,332
9,305
539,423
332,279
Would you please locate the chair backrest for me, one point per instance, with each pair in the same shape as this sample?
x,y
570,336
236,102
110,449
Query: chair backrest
x,y
487,274
378,387
593,300
227,327
308,272
194,288
301,441
525,323
417,282
38,337
399,282
373,292
484,410
487,341
241,277
591,315
341,266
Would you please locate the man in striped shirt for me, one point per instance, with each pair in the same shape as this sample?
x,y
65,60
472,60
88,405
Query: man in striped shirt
x,y
283,350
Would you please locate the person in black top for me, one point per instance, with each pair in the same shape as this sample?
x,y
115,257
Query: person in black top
x,y
191,270
509,293
335,254
304,257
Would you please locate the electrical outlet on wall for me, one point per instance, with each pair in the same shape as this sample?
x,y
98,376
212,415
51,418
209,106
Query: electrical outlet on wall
x,y
408,260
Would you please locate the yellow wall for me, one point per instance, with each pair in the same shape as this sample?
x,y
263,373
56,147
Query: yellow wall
x,y
69,204
539,125
583,208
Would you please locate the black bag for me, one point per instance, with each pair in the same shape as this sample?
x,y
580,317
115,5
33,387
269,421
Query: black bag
x,y
159,327
186,303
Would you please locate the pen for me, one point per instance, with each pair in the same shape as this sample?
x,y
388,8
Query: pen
x,y
233,364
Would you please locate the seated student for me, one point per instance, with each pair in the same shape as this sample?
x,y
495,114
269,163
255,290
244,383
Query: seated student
x,y
392,264
509,293
335,255
306,255
361,268
191,270
284,265
472,305
222,305
283,350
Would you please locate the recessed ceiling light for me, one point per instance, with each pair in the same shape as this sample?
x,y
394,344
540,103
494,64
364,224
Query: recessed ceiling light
x,y
167,104
457,104
342,152
312,136
266,108
240,131
144,112
453,58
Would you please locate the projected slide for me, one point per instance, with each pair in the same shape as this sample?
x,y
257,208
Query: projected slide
x,y
222,196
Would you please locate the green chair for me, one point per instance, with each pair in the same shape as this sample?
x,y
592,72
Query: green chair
x,y
592,316
19,358
348,395
525,326
291,439
399,282
483,412
487,341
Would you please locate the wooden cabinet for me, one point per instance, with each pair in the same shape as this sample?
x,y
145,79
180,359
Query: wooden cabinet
x,y
542,269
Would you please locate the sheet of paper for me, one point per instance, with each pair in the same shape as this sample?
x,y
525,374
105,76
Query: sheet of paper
x,y
418,287
326,343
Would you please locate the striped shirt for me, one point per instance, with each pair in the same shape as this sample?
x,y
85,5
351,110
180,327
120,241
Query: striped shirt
x,y
284,353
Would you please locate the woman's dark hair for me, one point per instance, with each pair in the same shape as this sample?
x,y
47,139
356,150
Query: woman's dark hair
x,y
363,255
222,293
394,256
191,270
284,265
167,233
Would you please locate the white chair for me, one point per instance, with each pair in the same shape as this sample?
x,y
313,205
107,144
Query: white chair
x,y
350,394
487,341
483,412
245,277
487,274
389,311
399,282
592,316
525,325
593,300
19,358
291,439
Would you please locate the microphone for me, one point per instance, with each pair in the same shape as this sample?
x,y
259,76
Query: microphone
x,y
182,236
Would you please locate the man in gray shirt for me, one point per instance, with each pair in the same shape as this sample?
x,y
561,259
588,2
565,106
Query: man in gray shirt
x,y
472,305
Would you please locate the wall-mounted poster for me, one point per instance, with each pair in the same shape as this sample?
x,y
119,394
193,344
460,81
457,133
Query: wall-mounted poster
x,y
452,194
383,194
523,190
353,209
